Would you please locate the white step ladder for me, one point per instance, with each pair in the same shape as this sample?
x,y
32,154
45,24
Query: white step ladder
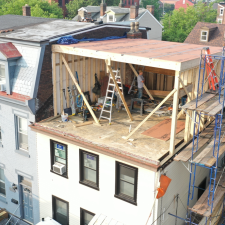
x,y
110,94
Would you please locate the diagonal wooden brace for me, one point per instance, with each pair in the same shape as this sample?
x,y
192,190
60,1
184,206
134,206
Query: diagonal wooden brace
x,y
136,74
80,91
155,109
121,95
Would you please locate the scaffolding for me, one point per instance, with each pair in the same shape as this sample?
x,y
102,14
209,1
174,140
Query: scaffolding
x,y
209,103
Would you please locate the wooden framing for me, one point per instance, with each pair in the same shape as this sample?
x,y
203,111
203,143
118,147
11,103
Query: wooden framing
x,y
80,91
61,82
67,84
54,83
136,74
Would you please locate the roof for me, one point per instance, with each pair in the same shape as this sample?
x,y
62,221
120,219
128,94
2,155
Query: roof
x,y
216,36
117,9
169,1
9,50
90,8
17,21
215,5
45,31
140,51
183,3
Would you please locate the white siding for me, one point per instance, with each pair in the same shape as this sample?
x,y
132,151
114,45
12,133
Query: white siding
x,y
78,195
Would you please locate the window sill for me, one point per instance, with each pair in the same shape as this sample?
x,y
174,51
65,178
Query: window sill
x,y
125,199
23,152
89,185
3,199
65,176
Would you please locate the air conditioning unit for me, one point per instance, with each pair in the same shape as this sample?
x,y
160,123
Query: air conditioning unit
x,y
2,87
59,168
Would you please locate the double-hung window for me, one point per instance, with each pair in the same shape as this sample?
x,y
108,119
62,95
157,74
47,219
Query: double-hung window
x,y
126,182
59,158
2,182
85,216
221,12
60,210
89,169
22,133
204,35
110,18
2,74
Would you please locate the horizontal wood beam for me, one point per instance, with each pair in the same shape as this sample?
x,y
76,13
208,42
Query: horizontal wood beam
x,y
159,70
70,61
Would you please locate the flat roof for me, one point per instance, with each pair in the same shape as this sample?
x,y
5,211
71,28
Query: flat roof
x,y
155,53
46,30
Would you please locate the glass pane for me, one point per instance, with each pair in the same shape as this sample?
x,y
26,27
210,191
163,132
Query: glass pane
x,y
126,188
57,159
204,38
2,73
204,33
22,125
89,161
60,153
0,134
127,174
2,176
23,141
87,218
90,175
2,188
61,212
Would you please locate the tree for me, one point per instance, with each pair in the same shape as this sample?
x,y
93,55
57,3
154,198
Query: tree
x,y
180,23
39,8
157,10
73,6
168,7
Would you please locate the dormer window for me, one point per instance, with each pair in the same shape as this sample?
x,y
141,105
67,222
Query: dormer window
x,y
204,35
2,74
111,18
221,12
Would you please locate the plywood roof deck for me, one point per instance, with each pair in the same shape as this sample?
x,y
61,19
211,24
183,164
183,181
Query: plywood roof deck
x,y
161,54
110,136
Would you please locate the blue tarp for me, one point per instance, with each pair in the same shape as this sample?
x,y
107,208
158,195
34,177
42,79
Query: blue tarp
x,y
67,40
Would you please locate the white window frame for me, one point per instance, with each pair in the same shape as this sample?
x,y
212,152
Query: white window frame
x,y
18,132
219,21
3,181
221,10
206,35
113,20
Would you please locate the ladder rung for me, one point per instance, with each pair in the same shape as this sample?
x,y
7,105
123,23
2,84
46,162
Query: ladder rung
x,y
114,71
112,84
105,117
110,91
108,104
106,111
109,97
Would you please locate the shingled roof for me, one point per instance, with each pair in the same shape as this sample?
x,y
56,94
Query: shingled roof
x,y
216,34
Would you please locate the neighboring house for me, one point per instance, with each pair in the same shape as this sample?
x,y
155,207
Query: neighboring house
x,y
61,4
209,34
183,4
26,97
172,2
119,15
87,170
220,13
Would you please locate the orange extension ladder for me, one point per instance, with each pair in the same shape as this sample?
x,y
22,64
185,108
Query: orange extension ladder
x,y
212,77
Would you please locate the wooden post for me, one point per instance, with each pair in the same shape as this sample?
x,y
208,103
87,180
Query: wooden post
x,y
84,74
146,89
94,70
89,75
67,84
120,93
155,109
54,83
80,91
61,82
174,114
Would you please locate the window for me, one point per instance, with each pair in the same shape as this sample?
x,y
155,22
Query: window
x,y
58,158
204,35
66,2
22,133
60,210
221,12
201,188
110,18
89,169
220,21
2,74
85,216
2,182
126,183
0,135
60,3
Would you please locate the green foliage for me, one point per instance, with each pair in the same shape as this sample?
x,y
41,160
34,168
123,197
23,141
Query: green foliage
x,y
168,7
180,23
157,10
39,8
74,5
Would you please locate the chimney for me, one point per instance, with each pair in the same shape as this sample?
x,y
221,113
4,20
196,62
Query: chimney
x,y
150,8
223,19
121,4
26,10
102,8
133,12
134,32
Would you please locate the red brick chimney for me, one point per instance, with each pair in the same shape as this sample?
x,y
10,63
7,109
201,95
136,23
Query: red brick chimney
x,y
102,8
133,12
150,8
26,10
